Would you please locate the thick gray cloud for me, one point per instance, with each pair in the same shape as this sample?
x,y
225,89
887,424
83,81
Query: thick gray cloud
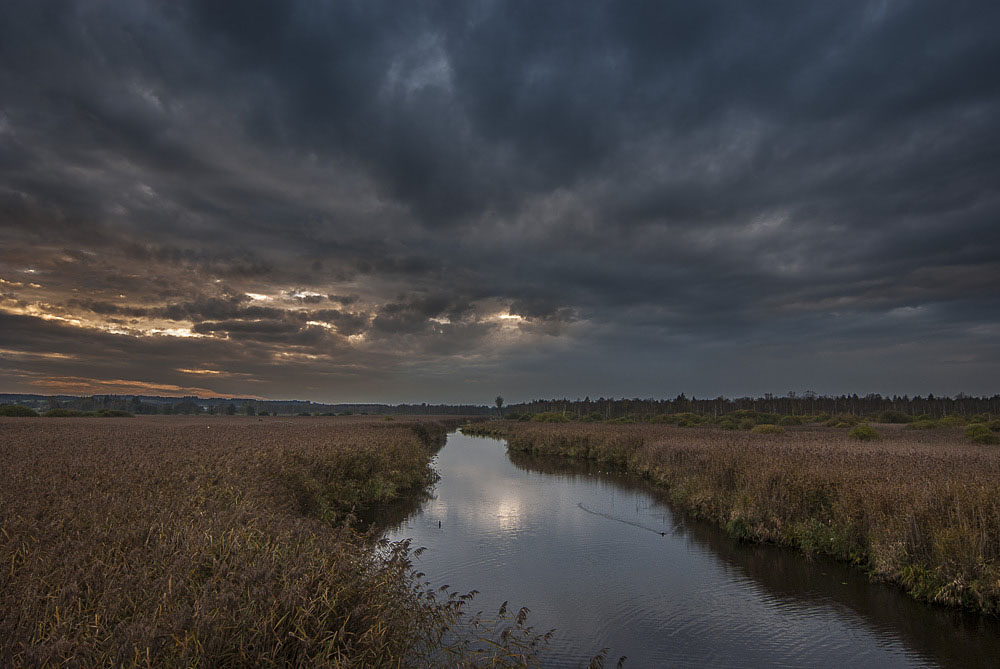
x,y
434,201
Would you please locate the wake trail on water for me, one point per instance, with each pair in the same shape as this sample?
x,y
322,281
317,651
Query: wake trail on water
x,y
621,520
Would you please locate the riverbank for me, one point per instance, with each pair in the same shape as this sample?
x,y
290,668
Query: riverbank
x,y
171,541
916,508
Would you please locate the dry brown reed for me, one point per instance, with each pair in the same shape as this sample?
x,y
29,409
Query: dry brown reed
x,y
213,542
918,508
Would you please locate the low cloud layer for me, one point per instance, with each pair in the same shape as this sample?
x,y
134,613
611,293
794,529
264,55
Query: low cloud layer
x,y
441,201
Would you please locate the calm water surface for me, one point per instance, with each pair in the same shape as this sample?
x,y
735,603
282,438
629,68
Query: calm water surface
x,y
601,559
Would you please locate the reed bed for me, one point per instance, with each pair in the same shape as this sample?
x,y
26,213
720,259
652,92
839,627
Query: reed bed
x,y
918,508
218,542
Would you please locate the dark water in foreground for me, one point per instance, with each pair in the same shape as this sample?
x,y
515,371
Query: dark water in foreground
x,y
597,557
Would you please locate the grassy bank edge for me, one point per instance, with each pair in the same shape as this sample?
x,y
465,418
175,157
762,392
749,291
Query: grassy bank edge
x,y
334,496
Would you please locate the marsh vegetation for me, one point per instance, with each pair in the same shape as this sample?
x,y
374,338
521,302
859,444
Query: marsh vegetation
x,y
231,541
224,542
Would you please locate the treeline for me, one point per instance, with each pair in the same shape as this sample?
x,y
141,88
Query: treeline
x,y
791,404
154,404
604,408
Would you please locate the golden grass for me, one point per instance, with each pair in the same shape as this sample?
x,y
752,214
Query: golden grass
x,y
919,508
214,542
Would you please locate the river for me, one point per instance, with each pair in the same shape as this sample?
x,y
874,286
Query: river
x,y
601,559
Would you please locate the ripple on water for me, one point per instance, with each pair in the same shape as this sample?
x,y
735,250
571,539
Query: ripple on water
x,y
678,632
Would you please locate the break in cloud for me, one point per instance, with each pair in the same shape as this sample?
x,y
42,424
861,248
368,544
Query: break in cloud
x,y
434,201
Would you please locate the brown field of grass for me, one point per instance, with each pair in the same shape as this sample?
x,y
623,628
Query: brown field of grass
x,y
174,541
918,508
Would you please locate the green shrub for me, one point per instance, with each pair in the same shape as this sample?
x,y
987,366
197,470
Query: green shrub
x,y
863,432
894,417
622,420
683,419
842,420
17,410
729,425
951,421
550,417
790,420
114,413
979,433
747,424
768,429
994,425
758,417
922,424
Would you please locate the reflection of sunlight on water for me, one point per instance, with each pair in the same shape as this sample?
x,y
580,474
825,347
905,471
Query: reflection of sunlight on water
x,y
508,514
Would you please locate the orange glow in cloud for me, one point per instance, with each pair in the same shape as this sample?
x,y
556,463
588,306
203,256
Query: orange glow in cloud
x,y
77,385
11,353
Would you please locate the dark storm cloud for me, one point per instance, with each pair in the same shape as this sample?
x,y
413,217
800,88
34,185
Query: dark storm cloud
x,y
216,308
261,327
221,262
484,190
414,315
347,323
345,300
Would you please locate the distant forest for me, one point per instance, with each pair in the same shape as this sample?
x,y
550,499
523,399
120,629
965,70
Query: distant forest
x,y
606,408
791,404
154,404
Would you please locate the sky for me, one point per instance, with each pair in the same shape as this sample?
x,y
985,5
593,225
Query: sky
x,y
446,201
